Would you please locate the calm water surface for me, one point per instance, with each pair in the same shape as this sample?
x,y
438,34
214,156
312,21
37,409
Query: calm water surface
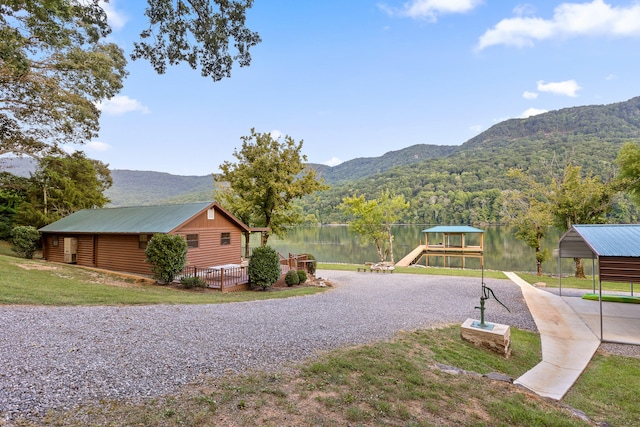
x,y
502,251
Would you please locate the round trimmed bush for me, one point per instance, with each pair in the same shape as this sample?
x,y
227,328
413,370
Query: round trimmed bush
x,y
264,267
292,278
24,239
167,254
302,276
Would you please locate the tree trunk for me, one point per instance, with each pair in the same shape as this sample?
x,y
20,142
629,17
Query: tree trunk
x,y
538,255
391,247
538,262
579,267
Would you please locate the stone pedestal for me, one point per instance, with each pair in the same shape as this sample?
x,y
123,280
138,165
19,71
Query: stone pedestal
x,y
495,337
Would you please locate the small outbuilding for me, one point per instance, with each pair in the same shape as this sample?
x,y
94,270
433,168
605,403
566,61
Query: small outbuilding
x,y
116,238
615,247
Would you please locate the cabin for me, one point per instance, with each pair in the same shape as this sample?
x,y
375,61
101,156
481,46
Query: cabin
x,y
446,242
116,238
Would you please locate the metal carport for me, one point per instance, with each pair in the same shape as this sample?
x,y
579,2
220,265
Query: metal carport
x,y
616,247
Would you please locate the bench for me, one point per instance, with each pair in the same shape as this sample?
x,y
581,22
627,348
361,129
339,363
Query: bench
x,y
377,267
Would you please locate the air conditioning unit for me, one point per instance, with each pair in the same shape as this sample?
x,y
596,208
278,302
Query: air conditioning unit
x,y
70,250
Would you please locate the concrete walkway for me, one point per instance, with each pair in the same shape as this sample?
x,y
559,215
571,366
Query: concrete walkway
x,y
567,343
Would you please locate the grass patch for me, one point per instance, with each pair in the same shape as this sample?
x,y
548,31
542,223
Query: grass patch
x,y
436,271
386,383
608,390
573,282
36,282
551,282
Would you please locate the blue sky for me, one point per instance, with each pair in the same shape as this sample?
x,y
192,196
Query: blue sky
x,y
359,78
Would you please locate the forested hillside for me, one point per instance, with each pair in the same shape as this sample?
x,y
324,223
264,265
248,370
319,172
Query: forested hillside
x,y
131,188
443,184
470,184
366,166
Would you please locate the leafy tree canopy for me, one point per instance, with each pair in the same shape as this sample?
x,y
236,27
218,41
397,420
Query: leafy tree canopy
x,y
372,219
199,33
54,68
55,65
62,185
629,162
268,176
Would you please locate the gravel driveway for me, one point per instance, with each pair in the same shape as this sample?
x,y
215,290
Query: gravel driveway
x,y
55,357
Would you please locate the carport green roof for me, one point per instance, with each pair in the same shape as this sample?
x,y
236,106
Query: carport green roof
x,y
127,220
453,229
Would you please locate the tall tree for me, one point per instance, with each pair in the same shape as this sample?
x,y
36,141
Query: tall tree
x,y
268,176
54,68
56,65
575,199
62,185
372,219
628,161
531,219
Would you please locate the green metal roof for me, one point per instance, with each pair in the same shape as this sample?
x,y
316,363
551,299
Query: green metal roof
x,y
452,229
127,220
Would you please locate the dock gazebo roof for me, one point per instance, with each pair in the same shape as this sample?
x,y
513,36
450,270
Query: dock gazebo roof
x,y
453,229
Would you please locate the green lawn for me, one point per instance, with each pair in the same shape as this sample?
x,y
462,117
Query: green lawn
x,y
40,283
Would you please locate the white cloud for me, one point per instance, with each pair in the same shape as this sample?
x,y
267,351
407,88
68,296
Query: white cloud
x,y
119,105
276,134
430,9
98,146
529,95
94,146
567,88
116,18
531,112
569,20
611,77
334,161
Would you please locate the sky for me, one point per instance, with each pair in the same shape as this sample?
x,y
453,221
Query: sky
x,y
360,78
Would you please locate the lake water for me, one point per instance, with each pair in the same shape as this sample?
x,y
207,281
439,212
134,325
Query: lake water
x,y
502,251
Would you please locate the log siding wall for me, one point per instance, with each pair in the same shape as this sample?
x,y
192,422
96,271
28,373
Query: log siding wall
x,y
121,252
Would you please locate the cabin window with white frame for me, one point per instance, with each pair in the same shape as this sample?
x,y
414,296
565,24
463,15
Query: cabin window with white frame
x,y
225,239
211,213
192,240
55,241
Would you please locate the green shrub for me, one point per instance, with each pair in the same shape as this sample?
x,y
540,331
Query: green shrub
x,y
193,282
167,254
25,240
302,276
292,278
264,267
311,266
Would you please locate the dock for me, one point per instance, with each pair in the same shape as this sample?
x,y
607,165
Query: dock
x,y
447,241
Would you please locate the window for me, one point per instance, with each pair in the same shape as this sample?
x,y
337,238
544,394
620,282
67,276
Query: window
x,y
55,241
143,239
211,213
192,240
225,239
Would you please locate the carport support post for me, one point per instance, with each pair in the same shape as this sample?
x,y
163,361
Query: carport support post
x,y
601,328
593,275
